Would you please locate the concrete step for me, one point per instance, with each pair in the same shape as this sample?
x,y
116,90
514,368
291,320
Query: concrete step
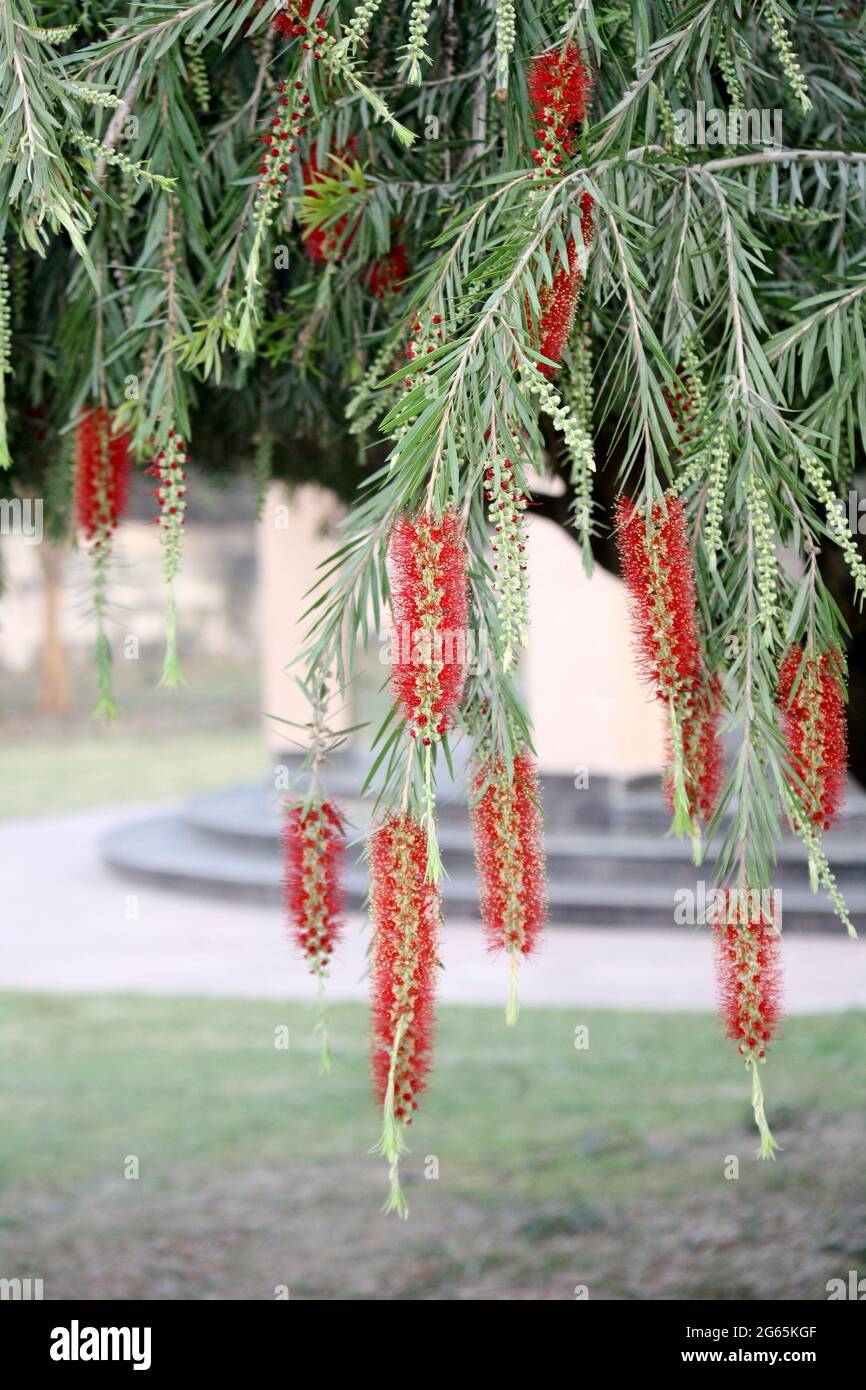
x,y
250,815
588,882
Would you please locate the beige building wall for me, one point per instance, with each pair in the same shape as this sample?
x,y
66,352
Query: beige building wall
x,y
296,533
589,710
136,595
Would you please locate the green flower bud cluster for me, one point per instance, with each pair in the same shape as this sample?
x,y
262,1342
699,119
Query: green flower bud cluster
x,y
731,77
62,33
197,68
5,352
415,51
836,520
577,440
787,55
93,96
505,36
355,32
120,161
578,388
765,554
719,460
507,504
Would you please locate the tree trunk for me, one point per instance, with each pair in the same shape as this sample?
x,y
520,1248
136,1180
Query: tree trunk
x,y
54,697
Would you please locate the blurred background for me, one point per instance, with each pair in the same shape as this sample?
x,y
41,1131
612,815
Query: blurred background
x,y
165,1132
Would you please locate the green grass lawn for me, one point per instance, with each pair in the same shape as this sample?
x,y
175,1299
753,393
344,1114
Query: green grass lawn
x,y
556,1167
113,768
165,744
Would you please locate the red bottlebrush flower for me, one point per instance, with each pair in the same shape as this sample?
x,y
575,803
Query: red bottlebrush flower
x,y
405,912
657,568
559,301
703,758
812,704
313,848
749,972
559,87
383,276
170,474
748,950
658,572
509,854
291,22
429,610
280,143
102,469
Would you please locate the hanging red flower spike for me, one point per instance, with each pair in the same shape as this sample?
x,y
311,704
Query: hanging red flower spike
x,y
405,911
658,571
313,848
559,87
750,988
559,301
703,757
313,851
429,610
812,705
102,468
657,568
509,854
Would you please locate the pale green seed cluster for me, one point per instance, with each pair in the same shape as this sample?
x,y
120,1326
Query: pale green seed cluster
x,y
120,161
367,404
713,458
787,55
817,480
809,217
507,506
765,553
577,440
692,414
505,36
416,49
580,393
731,77
356,30
697,388
198,78
61,34
5,352
821,874
667,117
719,461
581,401
94,96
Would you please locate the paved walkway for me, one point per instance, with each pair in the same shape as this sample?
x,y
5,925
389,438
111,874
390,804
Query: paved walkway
x,y
69,925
